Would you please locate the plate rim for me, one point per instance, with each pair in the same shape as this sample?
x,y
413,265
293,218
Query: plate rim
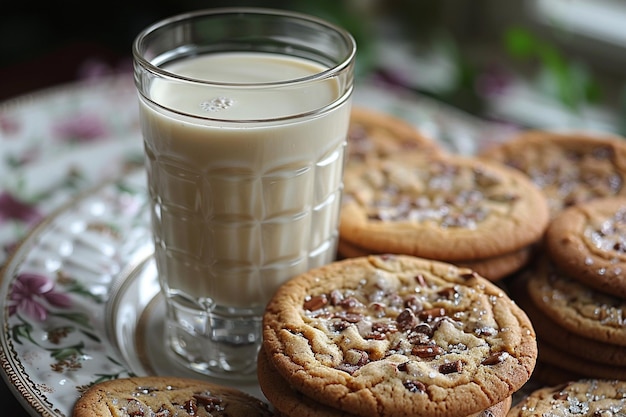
x,y
21,384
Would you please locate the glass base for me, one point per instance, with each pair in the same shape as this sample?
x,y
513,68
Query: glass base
x,y
219,342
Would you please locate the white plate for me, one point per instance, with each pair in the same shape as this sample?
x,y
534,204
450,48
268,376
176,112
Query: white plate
x,y
81,301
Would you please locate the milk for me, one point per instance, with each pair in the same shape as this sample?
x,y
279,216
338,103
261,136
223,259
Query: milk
x,y
241,205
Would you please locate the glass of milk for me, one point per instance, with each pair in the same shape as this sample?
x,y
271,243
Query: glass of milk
x,y
244,115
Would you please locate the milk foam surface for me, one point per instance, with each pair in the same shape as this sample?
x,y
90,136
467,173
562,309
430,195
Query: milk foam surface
x,y
234,99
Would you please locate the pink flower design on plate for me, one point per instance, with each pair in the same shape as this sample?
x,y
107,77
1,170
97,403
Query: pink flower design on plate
x,y
32,293
13,209
84,127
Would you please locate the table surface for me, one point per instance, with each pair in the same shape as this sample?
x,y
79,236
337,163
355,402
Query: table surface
x,y
10,403
84,104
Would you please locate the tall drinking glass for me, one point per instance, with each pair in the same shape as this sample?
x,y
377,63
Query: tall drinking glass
x,y
244,115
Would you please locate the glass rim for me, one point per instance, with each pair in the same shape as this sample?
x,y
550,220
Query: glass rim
x,y
330,72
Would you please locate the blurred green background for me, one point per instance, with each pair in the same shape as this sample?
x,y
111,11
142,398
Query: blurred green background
x,y
535,63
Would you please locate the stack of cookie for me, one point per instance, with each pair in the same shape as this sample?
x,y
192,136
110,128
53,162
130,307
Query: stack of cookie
x,y
575,291
393,335
575,294
428,203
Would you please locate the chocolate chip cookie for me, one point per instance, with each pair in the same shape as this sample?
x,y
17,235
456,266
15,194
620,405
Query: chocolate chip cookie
x,y
575,306
563,340
588,242
586,397
374,134
449,208
166,396
395,335
569,168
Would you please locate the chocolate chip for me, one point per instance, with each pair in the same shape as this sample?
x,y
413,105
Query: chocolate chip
x,y
338,325
403,367
406,319
449,293
191,407
315,303
381,329
495,358
427,351
419,278
469,275
414,303
348,368
414,386
417,338
207,400
335,297
349,317
351,304
424,328
376,336
451,367
431,313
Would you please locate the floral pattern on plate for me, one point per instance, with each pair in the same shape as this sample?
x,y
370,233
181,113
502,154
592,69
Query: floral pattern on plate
x,y
56,289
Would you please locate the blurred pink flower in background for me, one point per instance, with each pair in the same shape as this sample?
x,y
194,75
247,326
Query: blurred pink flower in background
x,y
13,209
85,127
